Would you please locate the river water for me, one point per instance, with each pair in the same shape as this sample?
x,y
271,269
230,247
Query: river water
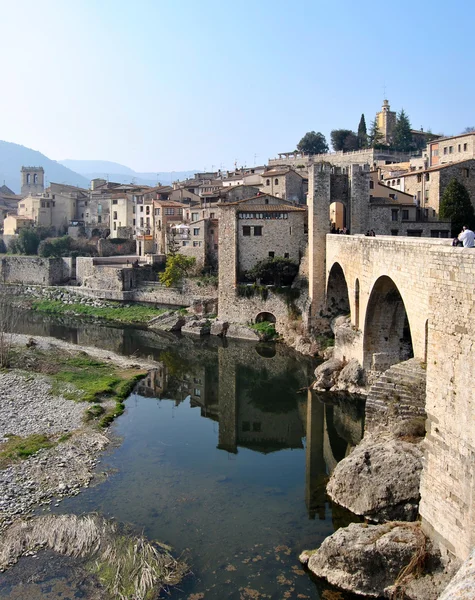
x,y
224,455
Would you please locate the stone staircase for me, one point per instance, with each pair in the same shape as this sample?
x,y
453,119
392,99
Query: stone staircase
x,y
396,401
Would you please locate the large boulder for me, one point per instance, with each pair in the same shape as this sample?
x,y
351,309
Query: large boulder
x,y
242,332
327,373
351,378
380,480
366,559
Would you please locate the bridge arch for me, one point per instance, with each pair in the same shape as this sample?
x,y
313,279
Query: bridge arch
x,y
338,300
265,316
387,332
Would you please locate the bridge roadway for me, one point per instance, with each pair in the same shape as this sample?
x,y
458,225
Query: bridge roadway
x,y
401,290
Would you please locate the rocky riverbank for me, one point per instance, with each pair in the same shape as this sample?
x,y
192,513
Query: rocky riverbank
x,y
36,418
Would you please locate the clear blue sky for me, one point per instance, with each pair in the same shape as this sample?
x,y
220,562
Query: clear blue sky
x,y
183,84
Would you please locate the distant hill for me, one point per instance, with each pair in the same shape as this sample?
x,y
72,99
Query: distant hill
x,y
112,171
14,156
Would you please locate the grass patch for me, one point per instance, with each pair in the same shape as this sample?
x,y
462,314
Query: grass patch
x,y
265,329
82,378
19,448
115,313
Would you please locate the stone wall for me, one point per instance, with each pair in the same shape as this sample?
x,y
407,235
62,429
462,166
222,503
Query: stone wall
x,y
34,270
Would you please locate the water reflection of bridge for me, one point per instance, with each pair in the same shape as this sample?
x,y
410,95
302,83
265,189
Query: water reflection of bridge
x,y
256,403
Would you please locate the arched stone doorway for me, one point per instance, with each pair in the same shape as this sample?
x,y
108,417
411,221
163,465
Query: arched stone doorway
x,y
387,334
338,301
265,316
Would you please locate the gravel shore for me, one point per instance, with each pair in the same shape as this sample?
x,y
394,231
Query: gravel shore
x,y
27,406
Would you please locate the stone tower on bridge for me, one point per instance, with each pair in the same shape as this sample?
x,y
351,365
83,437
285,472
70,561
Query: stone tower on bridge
x,y
327,185
32,180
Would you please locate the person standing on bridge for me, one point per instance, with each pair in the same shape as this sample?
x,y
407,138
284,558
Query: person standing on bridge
x,y
467,237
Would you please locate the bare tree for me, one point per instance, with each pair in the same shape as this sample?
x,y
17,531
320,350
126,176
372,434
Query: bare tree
x,y
8,320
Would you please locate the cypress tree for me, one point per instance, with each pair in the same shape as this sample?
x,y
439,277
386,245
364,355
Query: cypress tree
x,y
456,205
362,133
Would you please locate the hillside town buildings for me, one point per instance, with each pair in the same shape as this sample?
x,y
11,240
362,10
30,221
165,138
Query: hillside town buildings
x,y
398,194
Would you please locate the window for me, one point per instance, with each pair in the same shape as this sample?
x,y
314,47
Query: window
x,y
394,214
197,244
258,230
28,179
141,221
82,215
246,230
371,185
256,426
99,209
392,196
99,219
445,150
399,182
267,182
169,211
196,231
43,205
271,254
405,215
114,201
458,149
114,215
451,149
194,216
286,255
466,172
157,212
276,181
394,231
427,176
197,392
211,215
133,222
419,178
147,210
414,232
426,213
115,225
266,200
141,209
465,147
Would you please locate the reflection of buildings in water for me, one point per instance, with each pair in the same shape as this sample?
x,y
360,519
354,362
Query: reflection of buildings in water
x,y
332,431
315,467
155,384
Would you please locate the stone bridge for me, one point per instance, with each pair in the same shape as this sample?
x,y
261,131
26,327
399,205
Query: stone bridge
x,y
416,296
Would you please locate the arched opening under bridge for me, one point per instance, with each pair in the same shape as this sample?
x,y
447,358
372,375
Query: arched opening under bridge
x,y
387,333
338,301
265,316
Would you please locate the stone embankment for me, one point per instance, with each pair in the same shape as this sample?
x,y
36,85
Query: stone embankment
x,y
28,405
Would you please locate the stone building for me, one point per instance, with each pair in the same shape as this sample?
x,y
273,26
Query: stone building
x,y
166,214
427,186
13,224
264,226
56,207
32,180
451,149
283,183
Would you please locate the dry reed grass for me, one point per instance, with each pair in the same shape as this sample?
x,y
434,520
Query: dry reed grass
x,y
129,567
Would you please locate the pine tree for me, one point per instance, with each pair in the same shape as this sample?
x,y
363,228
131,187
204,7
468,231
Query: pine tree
x,y
362,133
375,137
456,205
402,136
313,143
